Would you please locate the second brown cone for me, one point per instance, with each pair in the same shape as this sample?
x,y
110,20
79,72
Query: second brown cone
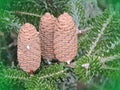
x,y
47,28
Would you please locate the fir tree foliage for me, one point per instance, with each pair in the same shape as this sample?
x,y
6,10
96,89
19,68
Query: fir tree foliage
x,y
88,67
31,10
45,79
103,38
8,21
11,78
9,26
100,44
77,11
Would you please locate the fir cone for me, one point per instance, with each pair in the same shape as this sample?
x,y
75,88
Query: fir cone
x,y
65,38
47,28
28,50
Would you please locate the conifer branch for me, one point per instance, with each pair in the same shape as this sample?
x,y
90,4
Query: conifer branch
x,y
111,58
25,13
109,68
27,78
53,74
94,44
16,77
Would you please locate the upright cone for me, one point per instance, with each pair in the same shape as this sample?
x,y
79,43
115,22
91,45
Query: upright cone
x,y
47,28
65,38
29,50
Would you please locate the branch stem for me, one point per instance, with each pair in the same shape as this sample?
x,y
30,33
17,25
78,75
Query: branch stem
x,y
25,13
51,75
15,77
94,44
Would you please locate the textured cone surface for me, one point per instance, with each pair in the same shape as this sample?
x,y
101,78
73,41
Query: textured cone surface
x,y
47,26
65,38
29,50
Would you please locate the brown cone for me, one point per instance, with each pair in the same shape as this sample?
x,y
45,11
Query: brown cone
x,y
47,26
28,50
65,38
